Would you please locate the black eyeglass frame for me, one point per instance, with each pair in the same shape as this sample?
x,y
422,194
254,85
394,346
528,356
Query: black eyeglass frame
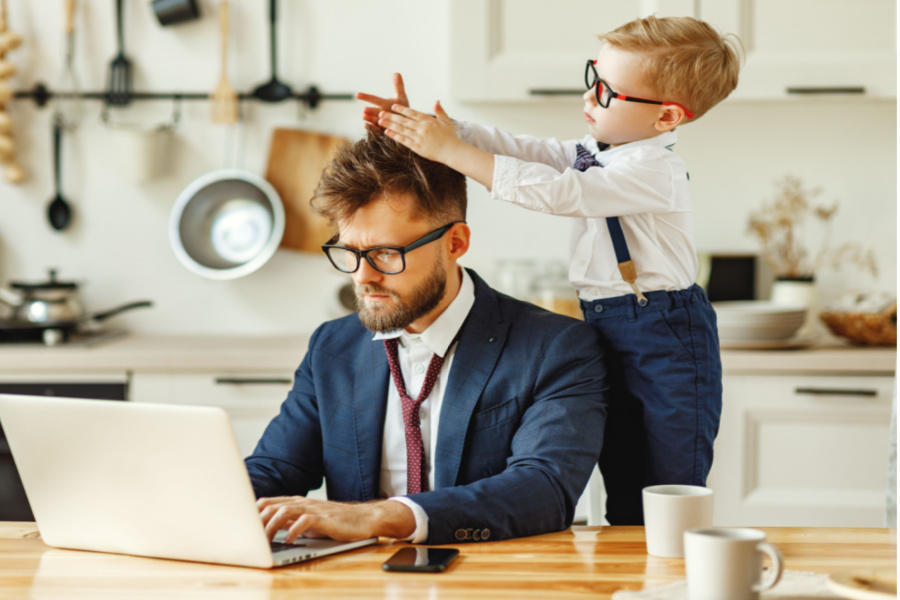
x,y
597,82
402,250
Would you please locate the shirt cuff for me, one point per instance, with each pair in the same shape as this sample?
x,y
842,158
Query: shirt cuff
x,y
421,533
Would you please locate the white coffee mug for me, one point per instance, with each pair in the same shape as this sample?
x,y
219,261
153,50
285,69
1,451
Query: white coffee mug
x,y
727,563
669,511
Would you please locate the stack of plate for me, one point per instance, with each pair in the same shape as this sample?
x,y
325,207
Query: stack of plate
x,y
750,323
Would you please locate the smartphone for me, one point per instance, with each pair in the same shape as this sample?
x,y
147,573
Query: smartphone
x,y
420,560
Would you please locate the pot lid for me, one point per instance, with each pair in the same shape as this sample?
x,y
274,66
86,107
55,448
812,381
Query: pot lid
x,y
51,284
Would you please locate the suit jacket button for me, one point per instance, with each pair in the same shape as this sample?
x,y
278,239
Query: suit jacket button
x,y
476,535
460,534
485,534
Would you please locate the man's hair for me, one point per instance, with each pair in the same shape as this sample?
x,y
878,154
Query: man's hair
x,y
686,60
376,166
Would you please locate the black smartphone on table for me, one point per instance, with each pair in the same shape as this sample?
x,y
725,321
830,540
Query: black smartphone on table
x,y
420,560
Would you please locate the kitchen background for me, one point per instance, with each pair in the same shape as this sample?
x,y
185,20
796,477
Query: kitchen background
x,y
118,246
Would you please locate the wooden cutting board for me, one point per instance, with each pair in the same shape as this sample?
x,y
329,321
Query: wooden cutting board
x,y
296,160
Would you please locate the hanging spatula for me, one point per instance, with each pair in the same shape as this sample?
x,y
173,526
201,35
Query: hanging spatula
x,y
224,99
120,75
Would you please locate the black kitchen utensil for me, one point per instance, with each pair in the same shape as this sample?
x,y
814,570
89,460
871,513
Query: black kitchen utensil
x,y
120,76
172,12
58,211
273,90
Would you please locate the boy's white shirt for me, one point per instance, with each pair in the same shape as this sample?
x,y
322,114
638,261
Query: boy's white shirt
x,y
643,183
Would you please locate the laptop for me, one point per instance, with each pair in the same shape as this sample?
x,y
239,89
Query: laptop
x,y
155,480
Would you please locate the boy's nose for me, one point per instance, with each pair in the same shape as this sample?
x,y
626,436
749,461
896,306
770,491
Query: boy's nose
x,y
590,97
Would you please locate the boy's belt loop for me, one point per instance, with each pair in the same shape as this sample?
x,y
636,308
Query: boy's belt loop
x,y
623,257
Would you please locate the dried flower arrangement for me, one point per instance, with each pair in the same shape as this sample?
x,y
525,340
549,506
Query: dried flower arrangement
x,y
779,227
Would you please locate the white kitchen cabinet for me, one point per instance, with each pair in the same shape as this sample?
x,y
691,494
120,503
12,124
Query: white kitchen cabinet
x,y
802,450
802,47
250,399
533,49
518,50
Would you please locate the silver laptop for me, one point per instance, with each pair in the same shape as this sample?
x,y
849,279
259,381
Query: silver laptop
x,y
147,479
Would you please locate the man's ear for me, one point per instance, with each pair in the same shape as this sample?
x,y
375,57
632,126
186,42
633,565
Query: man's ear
x,y
670,117
459,240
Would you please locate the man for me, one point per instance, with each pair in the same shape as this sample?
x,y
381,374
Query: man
x,y
512,397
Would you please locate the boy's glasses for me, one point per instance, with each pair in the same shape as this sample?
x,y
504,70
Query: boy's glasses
x,y
605,94
389,260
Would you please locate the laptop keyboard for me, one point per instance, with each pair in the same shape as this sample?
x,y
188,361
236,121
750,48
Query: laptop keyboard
x,y
279,546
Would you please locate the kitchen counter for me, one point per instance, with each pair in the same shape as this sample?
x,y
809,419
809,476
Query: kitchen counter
x,y
283,353
581,562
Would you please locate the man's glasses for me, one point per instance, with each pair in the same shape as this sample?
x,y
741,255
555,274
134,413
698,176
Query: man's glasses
x,y
389,260
605,94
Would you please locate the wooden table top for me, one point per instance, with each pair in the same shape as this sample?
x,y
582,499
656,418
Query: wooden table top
x,y
580,562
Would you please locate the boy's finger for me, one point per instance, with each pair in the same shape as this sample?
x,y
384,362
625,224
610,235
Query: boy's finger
x,y
372,99
400,89
405,111
439,110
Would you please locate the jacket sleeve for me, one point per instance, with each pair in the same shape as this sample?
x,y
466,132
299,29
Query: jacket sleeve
x,y
553,452
288,458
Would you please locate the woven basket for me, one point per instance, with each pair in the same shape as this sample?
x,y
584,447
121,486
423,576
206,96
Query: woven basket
x,y
871,329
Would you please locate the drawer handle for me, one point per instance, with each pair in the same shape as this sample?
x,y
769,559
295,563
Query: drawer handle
x,y
826,90
252,381
556,92
835,392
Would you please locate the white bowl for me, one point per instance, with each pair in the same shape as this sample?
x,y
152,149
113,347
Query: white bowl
x,y
226,224
758,320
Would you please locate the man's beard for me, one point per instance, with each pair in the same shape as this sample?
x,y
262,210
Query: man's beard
x,y
398,315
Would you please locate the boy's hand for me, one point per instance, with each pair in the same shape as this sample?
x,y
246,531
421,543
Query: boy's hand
x,y
433,137
370,113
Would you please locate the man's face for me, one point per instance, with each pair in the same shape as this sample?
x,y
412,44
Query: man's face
x,y
389,302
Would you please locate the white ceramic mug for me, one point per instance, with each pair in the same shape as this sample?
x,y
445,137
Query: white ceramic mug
x,y
669,511
727,563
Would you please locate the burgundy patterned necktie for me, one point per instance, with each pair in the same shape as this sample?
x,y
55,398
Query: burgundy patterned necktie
x,y
416,474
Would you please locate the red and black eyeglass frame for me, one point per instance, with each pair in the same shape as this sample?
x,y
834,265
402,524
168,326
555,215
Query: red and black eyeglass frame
x,y
593,80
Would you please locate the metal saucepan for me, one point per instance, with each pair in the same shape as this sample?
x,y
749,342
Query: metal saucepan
x,y
55,332
49,311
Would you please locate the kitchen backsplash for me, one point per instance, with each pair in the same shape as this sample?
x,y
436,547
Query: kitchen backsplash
x,y
118,248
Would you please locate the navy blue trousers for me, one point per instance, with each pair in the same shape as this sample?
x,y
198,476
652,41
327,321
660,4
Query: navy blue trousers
x,y
665,377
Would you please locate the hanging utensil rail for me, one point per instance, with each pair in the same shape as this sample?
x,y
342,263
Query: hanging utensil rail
x,y
41,94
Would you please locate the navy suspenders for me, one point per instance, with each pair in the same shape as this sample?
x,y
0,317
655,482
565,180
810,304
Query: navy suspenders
x,y
583,161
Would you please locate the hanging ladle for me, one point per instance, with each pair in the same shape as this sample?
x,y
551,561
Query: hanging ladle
x,y
273,90
59,212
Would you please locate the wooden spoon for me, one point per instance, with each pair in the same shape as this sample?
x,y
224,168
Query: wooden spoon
x,y
224,99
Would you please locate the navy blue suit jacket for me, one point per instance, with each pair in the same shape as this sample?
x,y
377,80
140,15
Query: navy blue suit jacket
x,y
521,425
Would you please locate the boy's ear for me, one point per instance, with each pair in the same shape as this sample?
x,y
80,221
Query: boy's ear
x,y
671,116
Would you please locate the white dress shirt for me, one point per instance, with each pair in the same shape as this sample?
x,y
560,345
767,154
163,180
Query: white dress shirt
x,y
414,352
643,183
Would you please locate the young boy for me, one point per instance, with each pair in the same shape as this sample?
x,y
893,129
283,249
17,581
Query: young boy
x,y
633,260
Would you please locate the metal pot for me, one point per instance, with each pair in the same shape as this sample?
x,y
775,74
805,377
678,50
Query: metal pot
x,y
44,302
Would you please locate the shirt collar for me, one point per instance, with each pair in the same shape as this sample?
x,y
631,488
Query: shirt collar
x,y
666,140
442,332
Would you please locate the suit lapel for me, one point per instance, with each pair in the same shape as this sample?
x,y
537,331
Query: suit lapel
x,y
481,342
369,405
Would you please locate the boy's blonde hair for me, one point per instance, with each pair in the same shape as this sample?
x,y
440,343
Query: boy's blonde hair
x,y
686,60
